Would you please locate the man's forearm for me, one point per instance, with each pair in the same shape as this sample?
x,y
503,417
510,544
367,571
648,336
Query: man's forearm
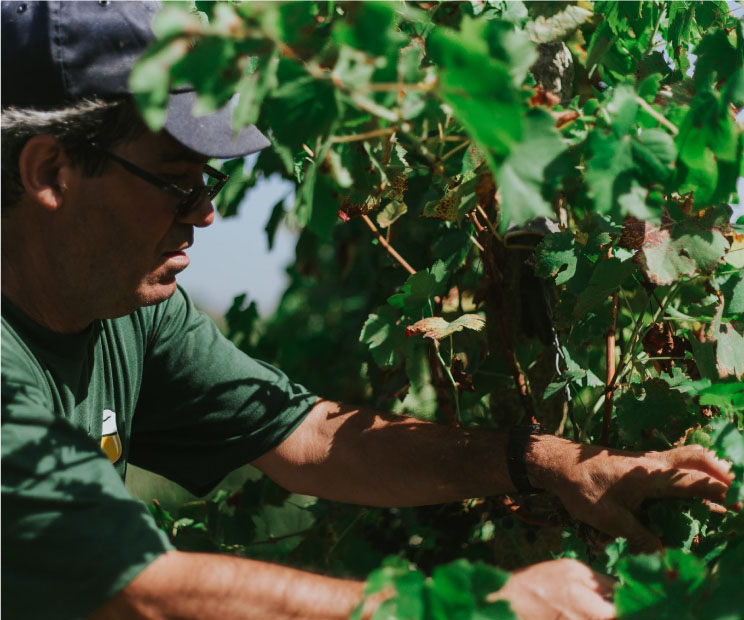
x,y
366,457
209,586
361,456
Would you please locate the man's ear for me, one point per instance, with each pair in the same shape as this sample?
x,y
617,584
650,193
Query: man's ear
x,y
45,170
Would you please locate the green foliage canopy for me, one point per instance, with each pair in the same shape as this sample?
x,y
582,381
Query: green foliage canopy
x,y
442,131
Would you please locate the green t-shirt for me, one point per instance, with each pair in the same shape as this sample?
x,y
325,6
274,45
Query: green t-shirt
x,y
160,388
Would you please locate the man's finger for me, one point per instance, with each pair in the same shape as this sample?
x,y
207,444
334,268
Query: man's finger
x,y
604,585
598,608
689,484
698,458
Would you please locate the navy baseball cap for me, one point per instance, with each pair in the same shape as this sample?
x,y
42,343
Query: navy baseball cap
x,y
57,52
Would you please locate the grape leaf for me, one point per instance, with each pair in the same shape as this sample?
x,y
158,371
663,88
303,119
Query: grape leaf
x,y
420,288
720,354
522,177
733,292
660,587
608,169
436,327
667,255
384,336
660,407
556,257
477,87
607,276
391,212
728,443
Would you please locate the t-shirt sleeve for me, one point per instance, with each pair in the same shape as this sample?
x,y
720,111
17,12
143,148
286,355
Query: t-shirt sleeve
x,y
72,536
206,407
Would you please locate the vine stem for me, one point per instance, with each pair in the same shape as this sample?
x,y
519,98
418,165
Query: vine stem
x,y
610,358
651,40
386,244
377,133
659,117
520,379
453,151
491,227
448,372
637,336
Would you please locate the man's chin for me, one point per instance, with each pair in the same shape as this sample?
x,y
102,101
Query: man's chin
x,y
155,293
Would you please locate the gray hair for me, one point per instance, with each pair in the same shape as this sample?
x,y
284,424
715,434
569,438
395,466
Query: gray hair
x,y
75,126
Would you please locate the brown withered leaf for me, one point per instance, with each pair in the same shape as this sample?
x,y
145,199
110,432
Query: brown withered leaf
x,y
436,327
667,253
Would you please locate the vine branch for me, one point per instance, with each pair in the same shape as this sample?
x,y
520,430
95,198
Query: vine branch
x,y
610,358
659,117
386,244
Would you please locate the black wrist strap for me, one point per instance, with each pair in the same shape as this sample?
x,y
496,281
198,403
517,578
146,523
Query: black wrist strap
x,y
516,448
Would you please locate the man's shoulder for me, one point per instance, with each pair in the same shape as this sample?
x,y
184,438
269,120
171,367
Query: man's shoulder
x,y
18,362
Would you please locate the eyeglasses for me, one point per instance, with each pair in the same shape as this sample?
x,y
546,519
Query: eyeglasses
x,y
214,181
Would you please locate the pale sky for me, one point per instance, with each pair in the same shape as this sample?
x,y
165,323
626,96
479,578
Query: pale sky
x,y
232,256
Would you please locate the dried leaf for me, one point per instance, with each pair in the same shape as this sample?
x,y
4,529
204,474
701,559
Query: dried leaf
x,y
436,327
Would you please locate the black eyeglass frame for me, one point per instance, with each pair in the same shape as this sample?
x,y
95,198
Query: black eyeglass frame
x,y
188,199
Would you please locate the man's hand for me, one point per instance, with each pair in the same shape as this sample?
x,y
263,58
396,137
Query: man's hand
x,y
604,487
559,589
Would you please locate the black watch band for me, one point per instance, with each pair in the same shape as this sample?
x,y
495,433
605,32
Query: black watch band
x,y
516,448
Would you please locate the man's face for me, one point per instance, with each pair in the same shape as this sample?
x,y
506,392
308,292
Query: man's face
x,y
125,243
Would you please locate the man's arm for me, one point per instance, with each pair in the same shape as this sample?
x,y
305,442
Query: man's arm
x,y
365,457
208,586
202,586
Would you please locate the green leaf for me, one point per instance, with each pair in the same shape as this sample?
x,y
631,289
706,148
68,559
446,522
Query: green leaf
x,y
232,194
657,407
717,57
459,590
525,174
391,212
477,87
680,25
654,153
512,47
710,148
257,82
730,352
728,443
419,288
649,87
634,203
728,396
150,80
733,292
623,109
677,522
687,249
735,255
437,328
556,257
608,169
368,26
174,20
660,587
607,276
384,336
568,378
277,215
300,108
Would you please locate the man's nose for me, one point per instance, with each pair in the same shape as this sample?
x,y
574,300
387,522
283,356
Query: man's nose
x,y
200,215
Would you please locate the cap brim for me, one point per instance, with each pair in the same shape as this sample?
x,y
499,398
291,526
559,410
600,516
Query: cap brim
x,y
212,134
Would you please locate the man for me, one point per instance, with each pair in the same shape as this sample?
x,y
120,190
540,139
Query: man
x,y
105,362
